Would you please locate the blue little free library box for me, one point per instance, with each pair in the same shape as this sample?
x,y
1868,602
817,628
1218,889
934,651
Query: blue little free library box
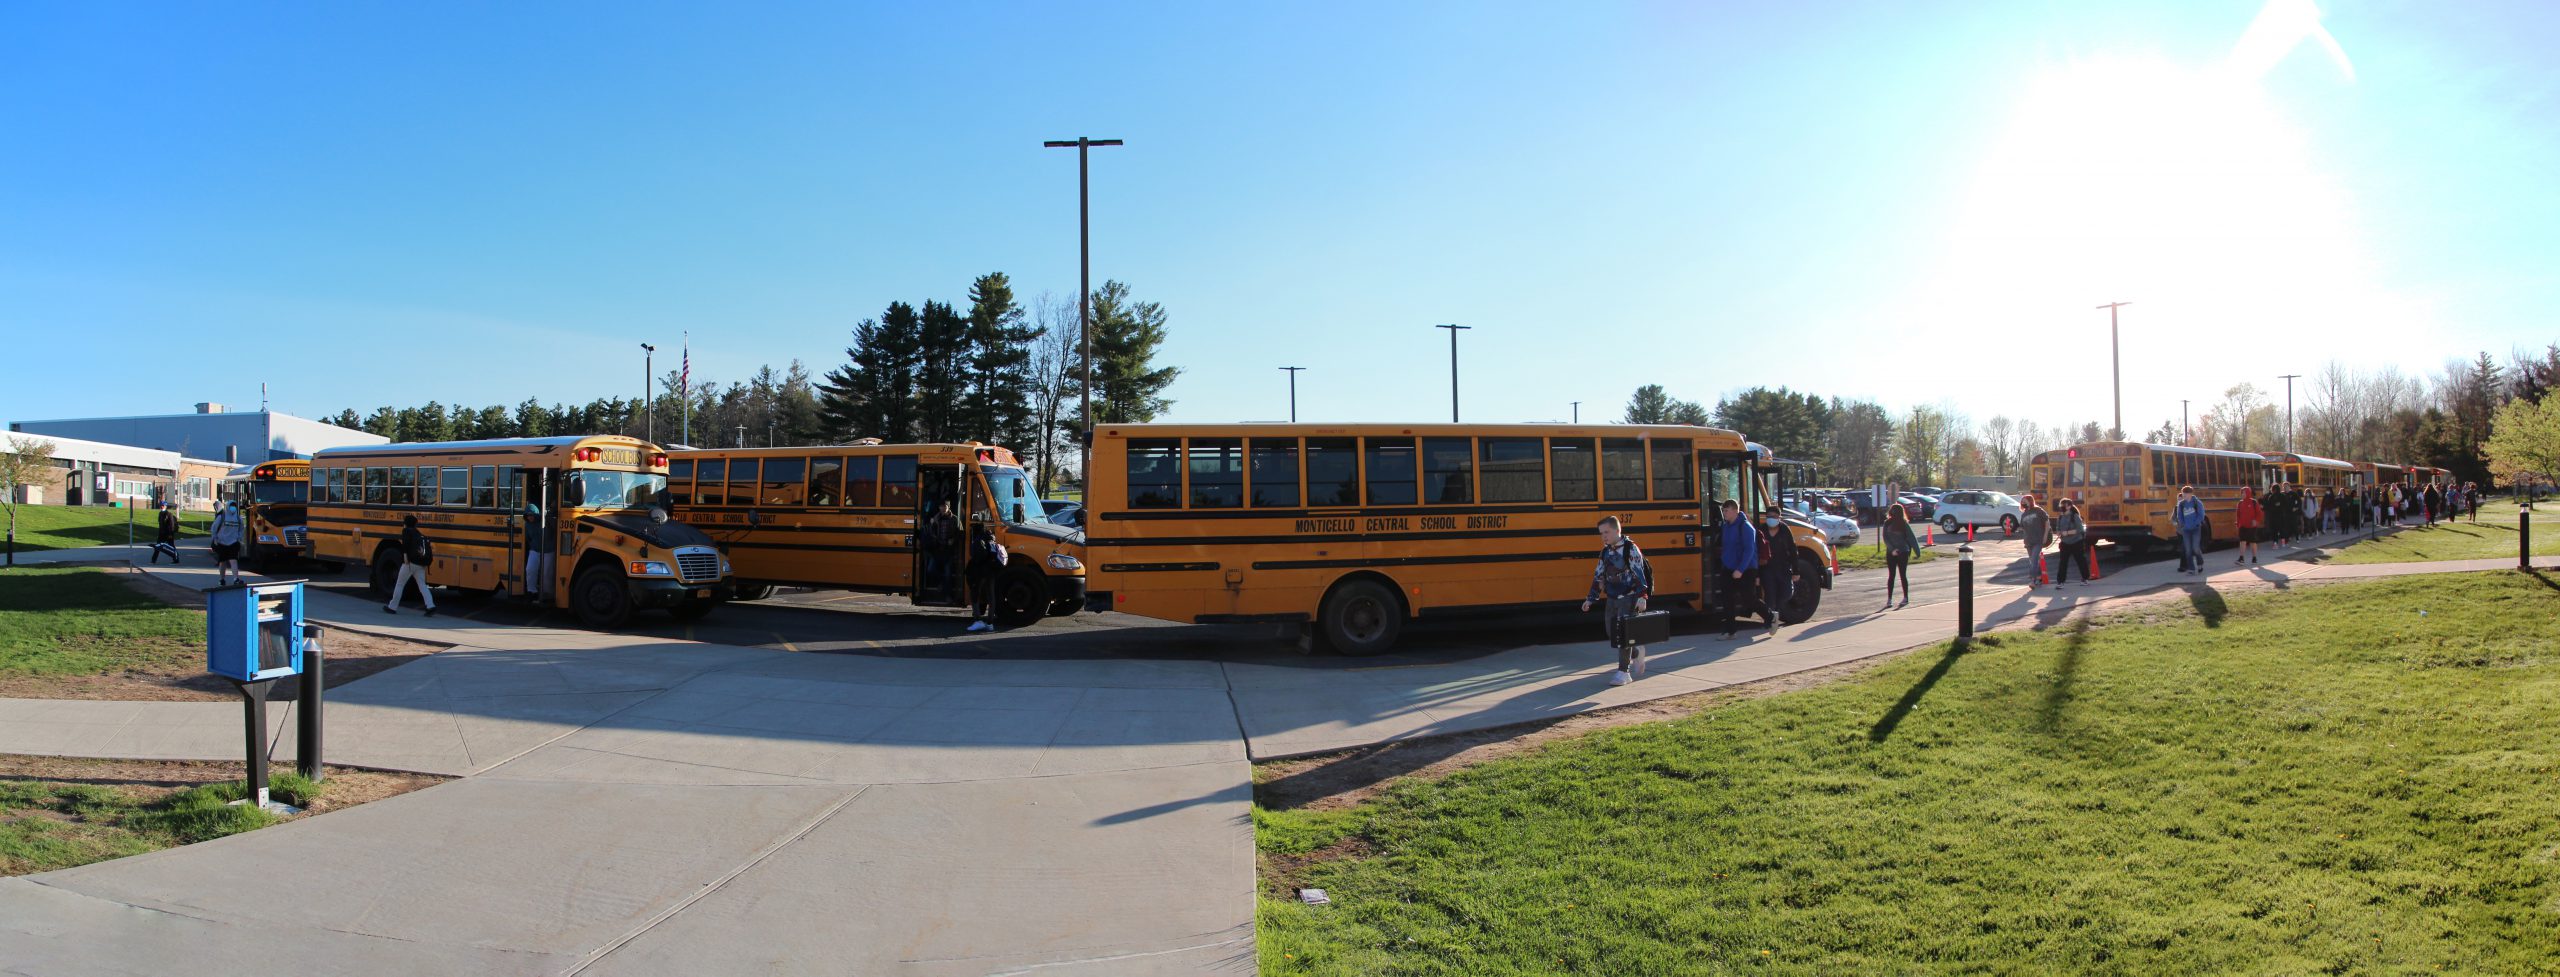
x,y
253,632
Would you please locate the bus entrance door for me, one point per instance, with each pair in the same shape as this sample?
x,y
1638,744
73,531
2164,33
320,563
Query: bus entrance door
x,y
1720,479
939,542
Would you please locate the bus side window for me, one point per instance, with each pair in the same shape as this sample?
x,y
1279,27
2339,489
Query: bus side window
x,y
898,482
426,485
510,490
708,474
1622,469
782,482
1577,468
457,487
1448,471
1333,472
679,482
1217,473
1272,466
862,480
484,487
742,481
1155,473
1390,471
826,482
404,486
1672,471
1515,469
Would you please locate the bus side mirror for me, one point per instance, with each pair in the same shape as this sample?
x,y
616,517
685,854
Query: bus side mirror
x,y
1020,513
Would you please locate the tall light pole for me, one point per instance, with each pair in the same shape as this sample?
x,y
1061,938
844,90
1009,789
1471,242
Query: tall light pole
x,y
647,354
1453,368
2116,351
2288,410
2186,434
1084,285
1293,392
1577,412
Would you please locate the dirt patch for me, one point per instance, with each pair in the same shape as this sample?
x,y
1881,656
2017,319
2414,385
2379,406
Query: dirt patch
x,y
351,655
1283,874
150,779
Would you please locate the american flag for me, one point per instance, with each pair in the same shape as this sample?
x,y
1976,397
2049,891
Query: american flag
x,y
684,377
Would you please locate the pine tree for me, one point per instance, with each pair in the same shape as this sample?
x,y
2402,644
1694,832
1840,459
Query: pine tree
x,y
1000,365
348,419
942,372
873,394
1128,386
798,407
531,420
1649,405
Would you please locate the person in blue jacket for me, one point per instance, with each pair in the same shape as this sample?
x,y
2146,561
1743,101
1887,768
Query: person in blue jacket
x,y
2188,515
1740,558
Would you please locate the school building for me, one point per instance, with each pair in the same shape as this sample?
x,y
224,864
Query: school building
x,y
99,474
211,432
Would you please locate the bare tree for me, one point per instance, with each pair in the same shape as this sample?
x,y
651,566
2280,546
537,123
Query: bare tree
x,y
1053,360
1955,434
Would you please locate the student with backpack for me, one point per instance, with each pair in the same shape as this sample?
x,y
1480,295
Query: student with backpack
x,y
416,554
1623,581
1739,548
1899,544
2189,517
1777,567
167,543
229,532
2074,535
986,559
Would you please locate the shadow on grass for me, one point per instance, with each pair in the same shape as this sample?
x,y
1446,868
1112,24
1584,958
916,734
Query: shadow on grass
x,y
1883,729
2544,578
2075,642
2209,605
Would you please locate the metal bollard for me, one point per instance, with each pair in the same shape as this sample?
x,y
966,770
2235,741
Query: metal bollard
x,y
2524,537
1964,594
306,711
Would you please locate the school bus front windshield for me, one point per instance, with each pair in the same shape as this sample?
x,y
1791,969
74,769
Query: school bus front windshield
x,y
1016,501
599,489
272,493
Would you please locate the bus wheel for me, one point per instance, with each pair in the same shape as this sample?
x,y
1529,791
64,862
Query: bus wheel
x,y
1806,597
1362,617
757,591
599,598
386,571
693,608
1018,599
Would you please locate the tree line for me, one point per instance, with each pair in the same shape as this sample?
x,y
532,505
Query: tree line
x,y
989,369
2447,421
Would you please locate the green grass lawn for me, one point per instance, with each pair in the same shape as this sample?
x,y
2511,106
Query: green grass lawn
x,y
84,621
2316,781
2493,537
62,527
1866,557
47,825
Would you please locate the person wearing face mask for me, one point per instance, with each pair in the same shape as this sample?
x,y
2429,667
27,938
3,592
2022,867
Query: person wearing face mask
x,y
1777,566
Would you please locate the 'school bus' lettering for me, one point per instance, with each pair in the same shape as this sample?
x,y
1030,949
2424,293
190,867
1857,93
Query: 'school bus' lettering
x,y
1207,523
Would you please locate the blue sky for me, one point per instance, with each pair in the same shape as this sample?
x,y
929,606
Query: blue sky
x,y
368,204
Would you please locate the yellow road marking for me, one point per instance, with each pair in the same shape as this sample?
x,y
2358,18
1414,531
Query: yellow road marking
x,y
786,642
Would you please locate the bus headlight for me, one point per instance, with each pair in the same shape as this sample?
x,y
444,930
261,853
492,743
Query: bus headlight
x,y
1061,561
266,537
650,568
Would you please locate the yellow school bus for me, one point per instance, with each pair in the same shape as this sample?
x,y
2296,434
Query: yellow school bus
x,y
600,497
273,498
2126,489
1350,529
2325,477
880,518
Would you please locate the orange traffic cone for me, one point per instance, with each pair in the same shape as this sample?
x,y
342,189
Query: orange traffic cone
x,y
2040,577
2093,561
1933,534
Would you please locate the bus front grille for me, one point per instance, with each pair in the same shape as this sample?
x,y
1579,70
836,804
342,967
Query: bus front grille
x,y
698,567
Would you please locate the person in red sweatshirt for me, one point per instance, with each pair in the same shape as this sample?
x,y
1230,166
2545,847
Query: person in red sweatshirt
x,y
2253,525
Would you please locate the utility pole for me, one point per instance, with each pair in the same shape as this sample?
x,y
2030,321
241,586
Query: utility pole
x,y
1453,369
2288,410
1293,392
647,353
742,435
1577,412
1084,282
2186,434
2115,349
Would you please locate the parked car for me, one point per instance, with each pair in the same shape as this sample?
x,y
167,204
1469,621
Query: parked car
x,y
1982,510
1919,507
1068,514
1841,532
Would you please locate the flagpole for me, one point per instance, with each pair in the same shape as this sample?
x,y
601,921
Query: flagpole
x,y
684,379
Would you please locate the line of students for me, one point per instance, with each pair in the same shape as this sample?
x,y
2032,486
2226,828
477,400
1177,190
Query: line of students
x,y
1754,557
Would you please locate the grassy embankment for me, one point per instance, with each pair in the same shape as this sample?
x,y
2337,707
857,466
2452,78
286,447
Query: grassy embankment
x,y
59,621
47,825
2492,538
62,527
2354,778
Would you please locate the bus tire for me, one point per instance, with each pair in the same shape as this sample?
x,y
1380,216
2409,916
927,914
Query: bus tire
x,y
693,608
754,591
1806,596
1361,617
1019,599
386,571
599,597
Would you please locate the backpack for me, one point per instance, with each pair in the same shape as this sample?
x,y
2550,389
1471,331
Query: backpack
x,y
422,552
1767,555
1623,547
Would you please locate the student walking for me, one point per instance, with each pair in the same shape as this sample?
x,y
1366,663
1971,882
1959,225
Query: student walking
x,y
228,530
2074,534
538,546
2433,500
416,554
2189,517
1740,552
2035,528
2253,525
1623,583
166,544
1777,566
1899,544
2312,510
986,559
